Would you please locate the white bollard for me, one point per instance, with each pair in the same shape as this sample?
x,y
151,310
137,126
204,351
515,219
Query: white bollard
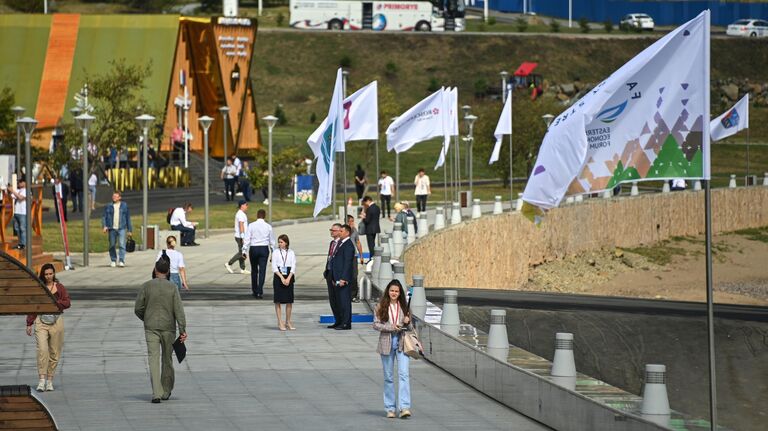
x,y
411,235
385,271
398,270
423,225
418,297
477,212
456,213
342,214
376,264
655,402
519,202
569,200
563,365
439,218
449,321
635,191
384,239
765,179
365,286
578,198
732,182
498,343
697,185
607,194
665,187
397,240
497,208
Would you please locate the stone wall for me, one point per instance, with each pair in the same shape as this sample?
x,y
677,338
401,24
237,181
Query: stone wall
x,y
498,251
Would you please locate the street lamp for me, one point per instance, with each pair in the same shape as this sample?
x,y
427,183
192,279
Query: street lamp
x,y
83,121
28,125
504,75
271,120
465,109
547,119
206,122
144,121
224,113
18,111
470,120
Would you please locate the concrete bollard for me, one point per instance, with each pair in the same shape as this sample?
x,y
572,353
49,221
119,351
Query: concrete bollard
x,y
765,179
397,241
423,225
439,218
635,191
385,271
655,402
365,286
449,321
665,187
697,185
398,270
607,194
497,208
579,198
569,200
384,240
732,182
418,297
498,343
376,264
411,235
477,212
519,202
456,213
563,365
342,214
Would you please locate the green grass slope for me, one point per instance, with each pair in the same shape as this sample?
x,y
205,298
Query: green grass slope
x,y
23,43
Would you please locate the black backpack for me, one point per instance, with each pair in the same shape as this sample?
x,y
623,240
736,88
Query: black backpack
x,y
168,216
166,258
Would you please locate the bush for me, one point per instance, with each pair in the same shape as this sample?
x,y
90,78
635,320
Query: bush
x,y
491,20
584,24
481,88
608,25
433,85
280,19
25,6
522,24
390,69
554,26
280,114
345,61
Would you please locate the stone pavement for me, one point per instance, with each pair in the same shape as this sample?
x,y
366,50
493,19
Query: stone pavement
x,y
240,373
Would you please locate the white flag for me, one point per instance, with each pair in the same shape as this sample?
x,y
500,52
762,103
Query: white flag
x,y
361,119
423,121
732,121
332,136
503,128
647,121
452,106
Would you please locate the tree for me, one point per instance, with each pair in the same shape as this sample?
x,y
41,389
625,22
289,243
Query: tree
x,y
286,164
7,118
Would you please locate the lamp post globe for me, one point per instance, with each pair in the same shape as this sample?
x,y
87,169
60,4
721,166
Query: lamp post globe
x,y
205,122
547,119
144,121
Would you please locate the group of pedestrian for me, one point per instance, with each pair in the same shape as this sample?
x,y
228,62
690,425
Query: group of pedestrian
x,y
235,176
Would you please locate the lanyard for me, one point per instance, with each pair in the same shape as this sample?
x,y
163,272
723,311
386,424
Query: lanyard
x,y
396,313
284,257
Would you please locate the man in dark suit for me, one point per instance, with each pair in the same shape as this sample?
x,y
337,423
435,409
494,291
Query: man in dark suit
x,y
341,273
333,248
371,219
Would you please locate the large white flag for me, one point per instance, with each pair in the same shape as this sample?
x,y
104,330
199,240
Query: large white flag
x,y
331,138
423,121
647,121
451,100
504,127
361,119
732,121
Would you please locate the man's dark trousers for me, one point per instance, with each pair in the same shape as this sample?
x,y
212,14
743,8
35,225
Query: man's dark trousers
x,y
187,234
333,300
258,256
344,301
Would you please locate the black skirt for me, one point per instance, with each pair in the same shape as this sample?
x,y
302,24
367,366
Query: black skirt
x,y
283,293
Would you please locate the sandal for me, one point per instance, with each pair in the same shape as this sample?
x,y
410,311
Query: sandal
x,y
290,326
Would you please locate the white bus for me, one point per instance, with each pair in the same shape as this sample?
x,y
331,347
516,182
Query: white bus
x,y
395,15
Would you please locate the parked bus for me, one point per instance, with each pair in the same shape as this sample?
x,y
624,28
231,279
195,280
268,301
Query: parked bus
x,y
395,15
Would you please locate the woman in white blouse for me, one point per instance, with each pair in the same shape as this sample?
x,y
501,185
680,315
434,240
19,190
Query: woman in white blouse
x,y
284,267
178,275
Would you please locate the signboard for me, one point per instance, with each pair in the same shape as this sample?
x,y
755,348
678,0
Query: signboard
x,y
302,189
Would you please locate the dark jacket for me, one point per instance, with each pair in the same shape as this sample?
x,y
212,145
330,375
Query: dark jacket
x,y
342,262
76,180
372,216
125,217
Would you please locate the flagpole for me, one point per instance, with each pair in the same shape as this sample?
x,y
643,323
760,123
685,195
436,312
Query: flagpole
x,y
376,175
445,181
458,169
397,176
511,176
748,153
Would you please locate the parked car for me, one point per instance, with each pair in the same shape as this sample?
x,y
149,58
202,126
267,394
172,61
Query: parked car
x,y
637,21
748,28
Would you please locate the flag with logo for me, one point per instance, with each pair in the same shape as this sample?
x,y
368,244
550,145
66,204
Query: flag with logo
x,y
451,100
504,127
361,119
732,121
647,121
331,138
423,121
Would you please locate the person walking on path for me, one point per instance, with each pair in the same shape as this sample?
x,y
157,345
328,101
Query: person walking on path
x,y
241,223
360,182
19,195
49,329
178,275
93,181
341,273
229,175
284,267
159,306
180,223
386,190
259,239
354,237
117,223
390,318
332,249
60,189
76,189
423,190
370,216
245,181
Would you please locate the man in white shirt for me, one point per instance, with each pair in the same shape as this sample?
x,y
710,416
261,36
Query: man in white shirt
x,y
241,223
259,240
386,190
187,228
19,196
423,189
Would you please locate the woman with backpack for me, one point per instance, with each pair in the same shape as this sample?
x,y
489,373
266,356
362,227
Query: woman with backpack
x,y
178,273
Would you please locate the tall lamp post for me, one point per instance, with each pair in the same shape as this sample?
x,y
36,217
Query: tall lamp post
x,y
206,122
470,120
28,125
84,121
18,111
271,120
224,113
547,119
144,120
504,75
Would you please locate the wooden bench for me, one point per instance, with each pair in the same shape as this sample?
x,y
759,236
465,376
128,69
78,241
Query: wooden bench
x,y
21,292
21,410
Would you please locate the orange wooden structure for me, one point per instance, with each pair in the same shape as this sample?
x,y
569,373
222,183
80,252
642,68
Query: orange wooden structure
x,y
20,410
8,241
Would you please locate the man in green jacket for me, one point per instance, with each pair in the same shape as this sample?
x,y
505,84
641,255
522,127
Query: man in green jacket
x,y
159,306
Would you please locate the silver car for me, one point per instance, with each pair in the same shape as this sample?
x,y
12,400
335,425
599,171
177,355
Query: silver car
x,y
748,28
638,21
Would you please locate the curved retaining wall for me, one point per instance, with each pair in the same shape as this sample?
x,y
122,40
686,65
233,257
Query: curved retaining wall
x,y
498,251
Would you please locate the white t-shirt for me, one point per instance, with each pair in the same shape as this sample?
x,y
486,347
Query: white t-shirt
x,y
422,185
385,185
229,171
20,205
92,180
240,217
177,259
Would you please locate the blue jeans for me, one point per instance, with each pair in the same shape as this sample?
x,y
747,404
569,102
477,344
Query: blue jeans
x,y
20,223
176,279
403,381
117,236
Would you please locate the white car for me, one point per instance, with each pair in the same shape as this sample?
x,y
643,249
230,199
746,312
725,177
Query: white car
x,y
639,21
748,28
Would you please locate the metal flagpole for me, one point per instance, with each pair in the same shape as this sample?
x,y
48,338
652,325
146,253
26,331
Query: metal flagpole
x,y
186,126
445,179
710,307
458,169
376,174
449,162
397,176
748,153
511,176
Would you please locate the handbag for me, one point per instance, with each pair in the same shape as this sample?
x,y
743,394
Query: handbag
x,y
49,319
411,344
361,228
130,245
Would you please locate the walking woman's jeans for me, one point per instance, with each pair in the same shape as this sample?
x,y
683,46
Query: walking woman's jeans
x,y
403,382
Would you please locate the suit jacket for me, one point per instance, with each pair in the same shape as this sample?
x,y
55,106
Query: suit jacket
x,y
342,261
372,216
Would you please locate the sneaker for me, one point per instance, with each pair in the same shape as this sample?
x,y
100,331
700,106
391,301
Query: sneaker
x,y
405,413
113,264
41,385
121,264
391,414
49,386
229,268
245,271
266,202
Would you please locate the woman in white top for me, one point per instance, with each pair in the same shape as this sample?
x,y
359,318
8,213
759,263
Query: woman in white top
x,y
284,267
178,274
92,181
